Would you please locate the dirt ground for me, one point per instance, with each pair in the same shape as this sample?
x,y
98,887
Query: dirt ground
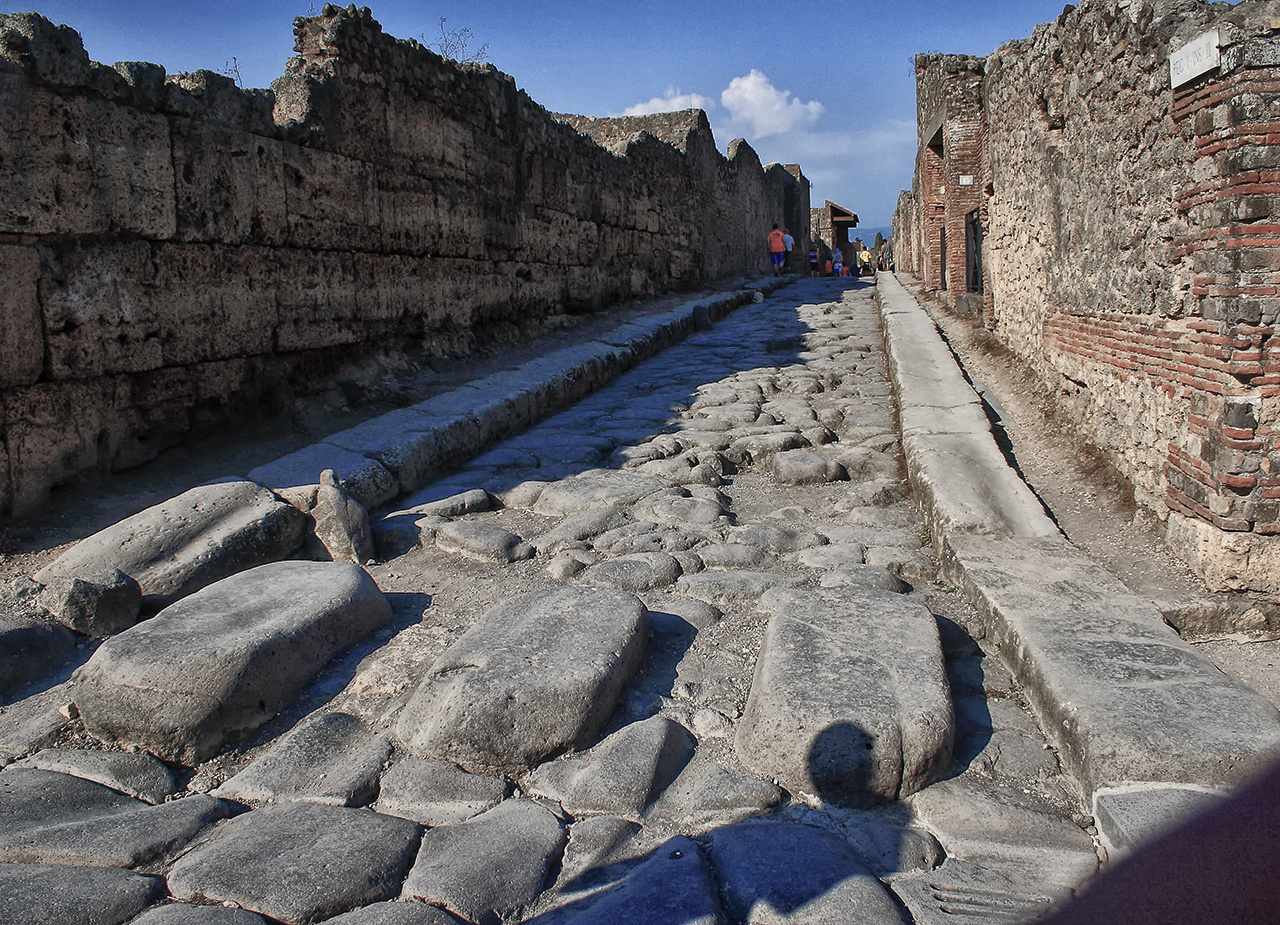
x,y
1093,505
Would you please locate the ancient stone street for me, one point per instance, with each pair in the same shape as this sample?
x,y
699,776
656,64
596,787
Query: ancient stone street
x,y
680,652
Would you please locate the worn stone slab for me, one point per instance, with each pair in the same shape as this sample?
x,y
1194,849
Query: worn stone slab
x,y
1129,816
299,862
731,586
870,577
733,556
705,794
41,894
488,867
596,488
137,774
187,542
968,893
331,758
775,539
30,646
622,773
773,872
436,792
226,659
850,697
802,467
1119,693
639,572
396,913
484,542
368,481
536,675
672,886
579,527
831,556
48,817
595,843
887,848
975,822
458,504
189,914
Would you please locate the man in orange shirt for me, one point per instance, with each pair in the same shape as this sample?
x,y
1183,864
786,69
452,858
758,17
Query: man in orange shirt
x,y
777,250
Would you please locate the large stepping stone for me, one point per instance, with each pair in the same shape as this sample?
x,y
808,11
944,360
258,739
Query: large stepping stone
x,y
672,886
187,542
786,872
332,758
134,773
226,659
538,674
488,868
47,817
44,894
299,862
436,792
621,774
1120,694
850,697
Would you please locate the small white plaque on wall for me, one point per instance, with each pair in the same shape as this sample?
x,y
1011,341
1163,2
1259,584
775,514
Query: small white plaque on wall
x,y
1194,58
966,180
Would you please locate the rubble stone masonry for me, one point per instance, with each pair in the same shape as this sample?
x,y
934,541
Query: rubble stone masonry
x,y
176,251
1132,255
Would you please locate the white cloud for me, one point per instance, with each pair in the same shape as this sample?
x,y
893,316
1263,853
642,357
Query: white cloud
x,y
762,109
672,101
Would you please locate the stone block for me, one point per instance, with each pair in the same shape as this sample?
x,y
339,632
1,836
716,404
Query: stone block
x,y
331,201
79,165
1129,816
850,698
182,544
226,659
230,185
21,327
99,311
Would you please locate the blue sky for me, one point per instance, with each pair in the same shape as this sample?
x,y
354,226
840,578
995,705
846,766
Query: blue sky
x,y
827,85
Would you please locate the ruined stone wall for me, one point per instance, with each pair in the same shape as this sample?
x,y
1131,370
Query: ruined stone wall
x,y
1132,255
176,252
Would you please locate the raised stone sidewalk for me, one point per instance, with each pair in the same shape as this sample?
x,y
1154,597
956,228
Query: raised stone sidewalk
x,y
679,652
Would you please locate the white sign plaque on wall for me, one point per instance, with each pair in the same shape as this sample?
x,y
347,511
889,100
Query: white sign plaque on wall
x,y
1194,58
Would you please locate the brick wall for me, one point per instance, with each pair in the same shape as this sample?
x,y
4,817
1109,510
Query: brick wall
x,y
176,252
1132,257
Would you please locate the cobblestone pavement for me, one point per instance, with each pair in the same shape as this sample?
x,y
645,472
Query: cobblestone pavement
x,y
799,725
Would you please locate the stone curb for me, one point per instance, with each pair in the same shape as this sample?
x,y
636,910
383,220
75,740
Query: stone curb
x,y
1120,695
401,451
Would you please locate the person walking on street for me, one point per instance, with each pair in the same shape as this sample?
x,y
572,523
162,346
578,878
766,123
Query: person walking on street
x,y
777,250
790,244
813,262
837,262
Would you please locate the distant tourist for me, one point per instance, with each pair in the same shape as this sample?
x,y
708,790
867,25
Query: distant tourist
x,y
837,262
777,250
813,261
790,243
864,261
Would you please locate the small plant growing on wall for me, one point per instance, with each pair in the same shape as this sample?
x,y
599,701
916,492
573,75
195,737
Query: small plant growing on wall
x,y
455,44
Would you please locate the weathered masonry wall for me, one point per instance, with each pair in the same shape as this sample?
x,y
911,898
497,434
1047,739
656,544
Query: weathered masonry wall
x,y
175,251
1132,256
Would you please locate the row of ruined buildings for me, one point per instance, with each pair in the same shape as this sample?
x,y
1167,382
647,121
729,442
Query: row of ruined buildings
x,y
1104,198
178,253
